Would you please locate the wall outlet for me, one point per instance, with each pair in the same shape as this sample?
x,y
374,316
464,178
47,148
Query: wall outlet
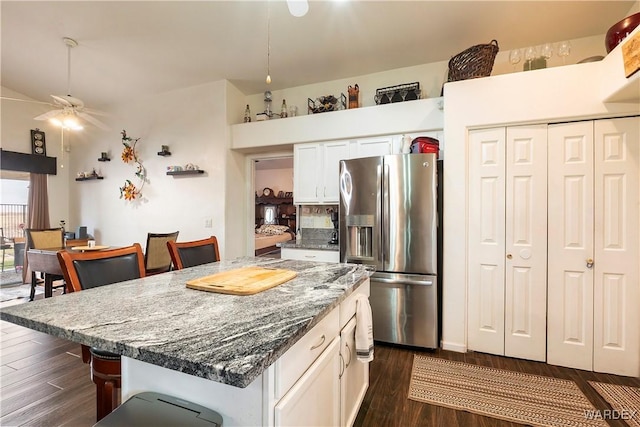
x,y
208,222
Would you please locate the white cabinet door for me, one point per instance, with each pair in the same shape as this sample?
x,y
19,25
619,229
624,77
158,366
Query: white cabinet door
x,y
333,153
507,241
372,147
315,399
355,377
486,240
307,167
616,257
526,243
593,251
570,282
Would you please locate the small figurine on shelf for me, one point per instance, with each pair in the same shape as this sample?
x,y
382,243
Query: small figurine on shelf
x,y
94,173
354,92
283,109
247,114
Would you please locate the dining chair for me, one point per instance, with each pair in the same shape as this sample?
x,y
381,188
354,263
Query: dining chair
x,y
85,270
196,252
156,256
4,245
44,238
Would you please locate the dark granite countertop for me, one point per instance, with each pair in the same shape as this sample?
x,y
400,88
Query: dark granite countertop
x,y
225,338
310,244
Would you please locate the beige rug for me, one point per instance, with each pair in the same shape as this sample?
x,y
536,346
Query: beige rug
x,y
511,396
625,401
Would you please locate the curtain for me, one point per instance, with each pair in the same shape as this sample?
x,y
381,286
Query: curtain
x,y
37,211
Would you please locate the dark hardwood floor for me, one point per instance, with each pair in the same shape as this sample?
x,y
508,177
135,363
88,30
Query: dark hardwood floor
x,y
386,403
43,382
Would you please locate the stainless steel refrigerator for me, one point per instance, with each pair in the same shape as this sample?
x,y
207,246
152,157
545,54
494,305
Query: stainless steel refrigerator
x,y
388,219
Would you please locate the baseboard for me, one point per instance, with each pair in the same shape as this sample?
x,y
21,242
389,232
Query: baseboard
x,y
451,346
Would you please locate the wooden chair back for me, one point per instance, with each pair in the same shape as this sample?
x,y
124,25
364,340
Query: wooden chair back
x,y
84,270
156,256
196,252
44,238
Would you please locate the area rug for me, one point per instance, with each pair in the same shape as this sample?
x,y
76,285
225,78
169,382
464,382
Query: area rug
x,y
625,400
510,396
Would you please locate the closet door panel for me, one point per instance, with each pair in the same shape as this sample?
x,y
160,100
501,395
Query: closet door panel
x,y
486,240
570,241
526,242
616,257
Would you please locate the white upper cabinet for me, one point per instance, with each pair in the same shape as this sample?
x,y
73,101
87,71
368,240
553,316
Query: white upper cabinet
x,y
307,169
371,147
316,167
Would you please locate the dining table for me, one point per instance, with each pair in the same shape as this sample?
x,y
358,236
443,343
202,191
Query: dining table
x,y
45,260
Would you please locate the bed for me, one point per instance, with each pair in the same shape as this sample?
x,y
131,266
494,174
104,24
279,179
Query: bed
x,y
266,237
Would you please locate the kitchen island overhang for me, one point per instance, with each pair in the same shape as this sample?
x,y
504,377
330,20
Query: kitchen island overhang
x,y
223,338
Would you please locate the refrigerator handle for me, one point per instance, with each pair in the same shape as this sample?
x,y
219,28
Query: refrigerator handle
x,y
383,246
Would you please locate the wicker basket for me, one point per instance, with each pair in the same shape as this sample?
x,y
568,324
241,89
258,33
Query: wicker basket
x,y
477,61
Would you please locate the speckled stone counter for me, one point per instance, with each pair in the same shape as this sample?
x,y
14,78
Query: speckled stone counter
x,y
310,244
225,338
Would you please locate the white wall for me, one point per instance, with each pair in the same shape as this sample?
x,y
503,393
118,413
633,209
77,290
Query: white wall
x,y
540,96
16,123
276,179
192,122
430,76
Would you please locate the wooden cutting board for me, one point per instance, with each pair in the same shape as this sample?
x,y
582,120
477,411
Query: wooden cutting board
x,y
242,281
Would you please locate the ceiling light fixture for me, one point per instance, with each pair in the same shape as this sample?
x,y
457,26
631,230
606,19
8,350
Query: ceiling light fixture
x,y
67,118
298,8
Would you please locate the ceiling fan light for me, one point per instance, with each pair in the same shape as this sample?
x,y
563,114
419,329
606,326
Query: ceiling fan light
x,y
298,8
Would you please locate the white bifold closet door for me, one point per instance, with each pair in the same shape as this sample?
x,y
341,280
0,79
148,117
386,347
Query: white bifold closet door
x,y
507,241
594,197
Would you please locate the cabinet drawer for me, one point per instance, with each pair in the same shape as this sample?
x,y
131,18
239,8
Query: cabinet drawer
x,y
348,306
298,358
310,255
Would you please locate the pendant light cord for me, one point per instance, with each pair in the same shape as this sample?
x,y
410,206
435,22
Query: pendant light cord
x,y
68,70
268,45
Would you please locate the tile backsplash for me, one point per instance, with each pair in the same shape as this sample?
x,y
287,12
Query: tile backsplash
x,y
316,216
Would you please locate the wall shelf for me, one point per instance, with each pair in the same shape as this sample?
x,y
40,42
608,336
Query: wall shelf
x,y
89,178
265,200
191,172
164,153
104,159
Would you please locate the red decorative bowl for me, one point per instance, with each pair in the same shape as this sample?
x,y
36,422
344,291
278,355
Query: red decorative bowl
x,y
620,30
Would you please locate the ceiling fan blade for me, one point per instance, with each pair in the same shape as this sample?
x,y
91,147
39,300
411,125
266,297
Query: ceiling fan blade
x,y
32,101
49,114
93,120
95,112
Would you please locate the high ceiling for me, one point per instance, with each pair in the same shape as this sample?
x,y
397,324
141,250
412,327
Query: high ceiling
x,y
129,49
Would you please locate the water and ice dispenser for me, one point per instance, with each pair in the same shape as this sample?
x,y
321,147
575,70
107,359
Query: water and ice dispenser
x,y
359,236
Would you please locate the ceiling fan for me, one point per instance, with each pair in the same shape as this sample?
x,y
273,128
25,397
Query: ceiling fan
x,y
68,109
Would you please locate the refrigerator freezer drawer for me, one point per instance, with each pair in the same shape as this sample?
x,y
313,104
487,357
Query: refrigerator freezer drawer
x,y
404,309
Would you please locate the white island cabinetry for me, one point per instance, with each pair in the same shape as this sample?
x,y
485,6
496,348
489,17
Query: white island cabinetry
x,y
310,255
318,381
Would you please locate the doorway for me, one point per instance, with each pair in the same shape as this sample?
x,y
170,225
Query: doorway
x,y
273,198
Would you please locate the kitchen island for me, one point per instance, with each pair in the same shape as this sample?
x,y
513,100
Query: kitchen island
x,y
254,359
